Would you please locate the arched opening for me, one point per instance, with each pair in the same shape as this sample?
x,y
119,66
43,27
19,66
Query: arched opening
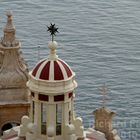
x,y
58,119
43,119
8,126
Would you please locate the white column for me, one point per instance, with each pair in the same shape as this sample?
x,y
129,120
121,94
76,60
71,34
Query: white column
x,y
51,116
37,117
65,115
72,111
72,108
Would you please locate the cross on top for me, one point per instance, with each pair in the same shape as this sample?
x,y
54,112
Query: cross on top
x,y
103,90
53,30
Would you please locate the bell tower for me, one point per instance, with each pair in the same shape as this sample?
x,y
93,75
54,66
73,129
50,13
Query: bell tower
x,y
52,84
13,77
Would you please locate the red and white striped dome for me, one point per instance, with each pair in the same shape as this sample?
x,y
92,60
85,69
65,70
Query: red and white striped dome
x,y
52,75
52,70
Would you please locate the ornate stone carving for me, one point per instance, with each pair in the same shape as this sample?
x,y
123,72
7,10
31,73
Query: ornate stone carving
x,y
14,101
13,72
9,39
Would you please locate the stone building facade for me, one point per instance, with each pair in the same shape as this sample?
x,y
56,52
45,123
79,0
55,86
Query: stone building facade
x,y
14,101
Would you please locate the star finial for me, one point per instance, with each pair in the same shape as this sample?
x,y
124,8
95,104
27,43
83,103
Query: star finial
x,y
103,90
53,30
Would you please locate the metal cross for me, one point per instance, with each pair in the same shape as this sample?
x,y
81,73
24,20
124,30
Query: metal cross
x,y
38,49
103,90
53,30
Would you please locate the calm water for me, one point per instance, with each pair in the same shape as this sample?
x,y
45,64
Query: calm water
x,y
100,40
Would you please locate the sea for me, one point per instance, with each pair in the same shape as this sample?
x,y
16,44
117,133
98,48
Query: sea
x,y
100,40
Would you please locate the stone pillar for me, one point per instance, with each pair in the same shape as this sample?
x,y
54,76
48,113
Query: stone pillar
x,y
52,117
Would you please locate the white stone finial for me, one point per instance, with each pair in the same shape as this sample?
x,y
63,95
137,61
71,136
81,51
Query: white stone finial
x,y
52,46
9,39
9,13
9,25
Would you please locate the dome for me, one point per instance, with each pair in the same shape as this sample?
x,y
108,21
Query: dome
x,y
52,75
52,70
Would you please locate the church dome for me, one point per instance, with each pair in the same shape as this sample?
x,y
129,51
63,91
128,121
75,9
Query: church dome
x,y
52,75
52,70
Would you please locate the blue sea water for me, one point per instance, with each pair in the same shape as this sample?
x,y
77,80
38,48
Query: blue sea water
x,y
99,39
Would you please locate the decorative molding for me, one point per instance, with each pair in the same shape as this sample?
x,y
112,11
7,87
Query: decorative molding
x,y
13,70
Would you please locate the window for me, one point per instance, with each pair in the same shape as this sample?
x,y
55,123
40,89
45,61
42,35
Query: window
x,y
58,98
70,95
70,115
58,119
42,97
32,94
43,118
8,126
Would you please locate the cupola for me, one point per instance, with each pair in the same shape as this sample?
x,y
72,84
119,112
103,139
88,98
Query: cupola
x,y
52,74
52,84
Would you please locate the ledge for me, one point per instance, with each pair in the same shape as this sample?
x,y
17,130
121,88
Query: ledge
x,y
14,103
